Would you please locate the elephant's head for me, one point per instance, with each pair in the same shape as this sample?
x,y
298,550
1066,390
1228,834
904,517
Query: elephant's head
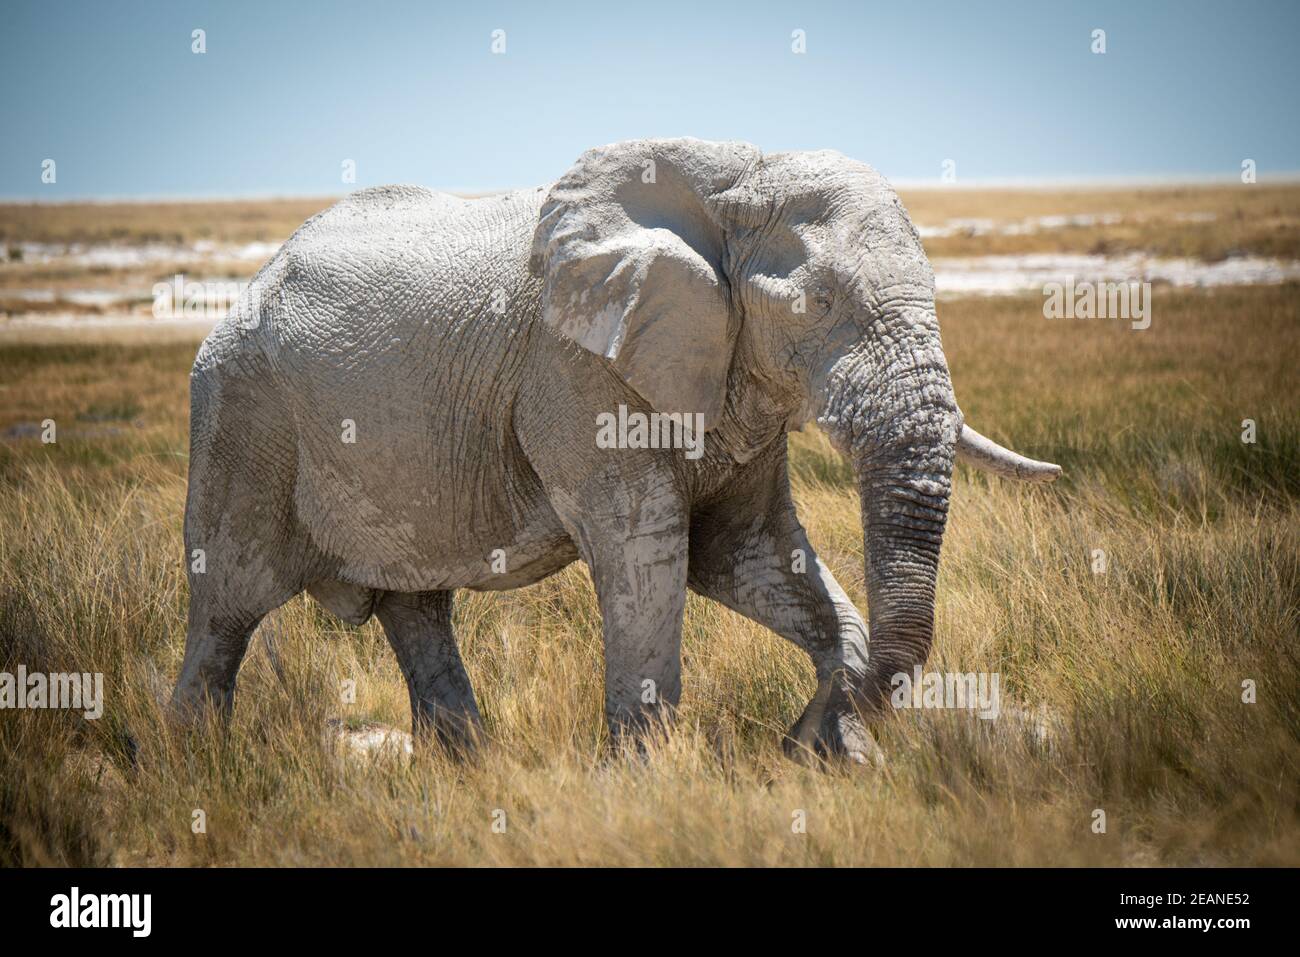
x,y
766,291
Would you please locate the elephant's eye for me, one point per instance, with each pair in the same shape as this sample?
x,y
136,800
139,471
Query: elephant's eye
x,y
822,301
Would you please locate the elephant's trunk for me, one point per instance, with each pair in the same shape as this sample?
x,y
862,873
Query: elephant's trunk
x,y
892,410
904,510
894,414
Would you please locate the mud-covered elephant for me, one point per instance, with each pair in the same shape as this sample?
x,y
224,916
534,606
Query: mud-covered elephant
x,y
408,398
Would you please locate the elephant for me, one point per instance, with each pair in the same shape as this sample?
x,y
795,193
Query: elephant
x,y
405,401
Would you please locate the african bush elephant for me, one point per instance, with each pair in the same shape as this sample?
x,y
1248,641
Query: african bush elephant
x,y
407,401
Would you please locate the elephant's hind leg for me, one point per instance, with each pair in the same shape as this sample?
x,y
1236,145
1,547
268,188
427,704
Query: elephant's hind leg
x,y
244,553
236,576
215,644
418,625
235,581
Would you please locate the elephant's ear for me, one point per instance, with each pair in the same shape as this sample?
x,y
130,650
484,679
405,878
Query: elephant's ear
x,y
632,263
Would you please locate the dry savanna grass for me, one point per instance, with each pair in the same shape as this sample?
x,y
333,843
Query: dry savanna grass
x,y
177,224
231,221
1200,222
1135,675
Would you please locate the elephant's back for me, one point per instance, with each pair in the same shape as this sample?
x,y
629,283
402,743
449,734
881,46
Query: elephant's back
x,y
389,219
400,263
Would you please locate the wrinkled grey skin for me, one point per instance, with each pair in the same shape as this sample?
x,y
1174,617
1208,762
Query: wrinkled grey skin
x,y
475,426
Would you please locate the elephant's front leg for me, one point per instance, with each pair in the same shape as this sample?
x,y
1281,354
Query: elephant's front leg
x,y
635,547
751,554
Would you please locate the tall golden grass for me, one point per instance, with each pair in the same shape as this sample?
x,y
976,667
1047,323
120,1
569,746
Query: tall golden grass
x,y
1134,677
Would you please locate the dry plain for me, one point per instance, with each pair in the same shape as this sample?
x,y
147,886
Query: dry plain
x,y
1123,690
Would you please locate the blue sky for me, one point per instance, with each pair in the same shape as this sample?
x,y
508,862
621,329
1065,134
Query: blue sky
x,y
411,92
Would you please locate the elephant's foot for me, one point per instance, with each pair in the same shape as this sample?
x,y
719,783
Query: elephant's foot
x,y
635,732
194,704
459,734
831,729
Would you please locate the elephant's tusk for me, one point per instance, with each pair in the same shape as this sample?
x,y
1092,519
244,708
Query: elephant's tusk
x,y
985,454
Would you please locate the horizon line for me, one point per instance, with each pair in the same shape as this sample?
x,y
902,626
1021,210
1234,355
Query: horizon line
x,y
1025,183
